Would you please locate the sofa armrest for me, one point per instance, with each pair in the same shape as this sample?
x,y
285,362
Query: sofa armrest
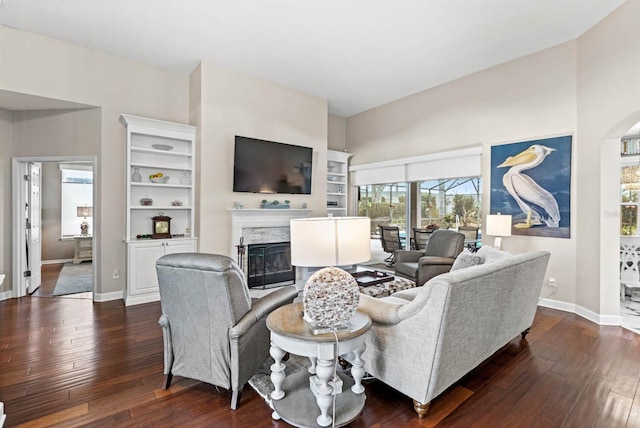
x,y
381,311
168,343
412,256
435,260
262,308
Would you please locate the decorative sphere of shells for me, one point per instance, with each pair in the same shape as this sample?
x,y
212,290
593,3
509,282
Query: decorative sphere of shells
x,y
330,297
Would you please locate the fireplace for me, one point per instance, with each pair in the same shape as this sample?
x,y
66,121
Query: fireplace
x,y
269,263
262,227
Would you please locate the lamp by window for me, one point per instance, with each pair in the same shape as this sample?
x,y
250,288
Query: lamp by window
x,y
331,295
498,225
84,212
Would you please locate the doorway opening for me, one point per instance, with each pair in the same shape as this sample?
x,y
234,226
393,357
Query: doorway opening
x,y
31,185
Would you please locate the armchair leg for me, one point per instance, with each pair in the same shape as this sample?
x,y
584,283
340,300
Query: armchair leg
x,y
168,377
421,409
235,398
524,333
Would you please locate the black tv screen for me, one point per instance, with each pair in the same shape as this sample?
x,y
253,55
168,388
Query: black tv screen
x,y
262,166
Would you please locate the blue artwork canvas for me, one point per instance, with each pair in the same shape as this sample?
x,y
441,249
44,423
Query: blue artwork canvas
x,y
531,181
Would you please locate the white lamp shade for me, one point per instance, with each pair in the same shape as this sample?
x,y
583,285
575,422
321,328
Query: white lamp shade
x,y
498,225
330,241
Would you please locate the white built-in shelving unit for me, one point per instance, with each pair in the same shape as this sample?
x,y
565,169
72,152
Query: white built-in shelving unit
x,y
337,190
155,146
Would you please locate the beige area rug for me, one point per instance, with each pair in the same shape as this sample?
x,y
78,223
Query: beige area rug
x,y
261,380
74,279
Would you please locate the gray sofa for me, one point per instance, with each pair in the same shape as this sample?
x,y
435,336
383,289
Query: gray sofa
x,y
425,339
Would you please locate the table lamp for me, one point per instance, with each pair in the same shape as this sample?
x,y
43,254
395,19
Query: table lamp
x,y
84,212
498,225
330,296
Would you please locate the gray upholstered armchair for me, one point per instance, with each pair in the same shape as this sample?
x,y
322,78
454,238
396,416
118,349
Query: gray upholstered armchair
x,y
212,330
421,265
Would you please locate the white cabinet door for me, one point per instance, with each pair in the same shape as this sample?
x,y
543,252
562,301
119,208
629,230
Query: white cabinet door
x,y
179,247
142,278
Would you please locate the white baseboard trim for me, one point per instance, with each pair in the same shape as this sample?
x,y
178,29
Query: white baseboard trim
x,y
583,312
5,295
106,297
144,298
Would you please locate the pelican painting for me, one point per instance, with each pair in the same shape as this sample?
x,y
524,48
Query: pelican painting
x,y
531,181
535,201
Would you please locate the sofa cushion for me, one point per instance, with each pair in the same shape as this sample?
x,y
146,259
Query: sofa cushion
x,y
492,254
466,259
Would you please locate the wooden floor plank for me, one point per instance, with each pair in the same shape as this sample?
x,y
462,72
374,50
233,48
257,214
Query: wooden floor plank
x,y
68,362
615,412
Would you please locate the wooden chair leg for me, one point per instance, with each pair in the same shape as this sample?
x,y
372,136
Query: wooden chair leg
x,y
167,380
421,409
235,398
524,333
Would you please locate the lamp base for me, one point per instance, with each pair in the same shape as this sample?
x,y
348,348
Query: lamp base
x,y
84,228
316,329
330,299
498,243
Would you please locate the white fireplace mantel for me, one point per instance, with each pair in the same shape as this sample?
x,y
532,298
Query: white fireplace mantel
x,y
262,217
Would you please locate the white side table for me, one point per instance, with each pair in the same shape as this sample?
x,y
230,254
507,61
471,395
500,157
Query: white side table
x,y
84,248
293,399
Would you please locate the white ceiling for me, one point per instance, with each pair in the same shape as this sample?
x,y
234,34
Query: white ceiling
x,y
357,54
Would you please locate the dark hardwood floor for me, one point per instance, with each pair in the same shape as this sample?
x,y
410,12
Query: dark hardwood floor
x,y
70,362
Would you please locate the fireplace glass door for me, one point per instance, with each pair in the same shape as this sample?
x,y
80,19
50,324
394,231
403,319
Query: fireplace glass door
x,y
269,264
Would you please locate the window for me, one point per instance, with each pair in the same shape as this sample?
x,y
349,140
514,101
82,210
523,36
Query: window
x,y
384,204
446,203
77,192
449,203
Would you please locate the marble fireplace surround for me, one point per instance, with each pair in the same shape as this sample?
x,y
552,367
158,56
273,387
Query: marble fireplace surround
x,y
261,226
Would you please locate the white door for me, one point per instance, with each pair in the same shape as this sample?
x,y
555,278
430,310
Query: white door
x,y
32,228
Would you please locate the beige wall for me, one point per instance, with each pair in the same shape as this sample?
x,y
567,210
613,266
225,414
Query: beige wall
x,y
529,98
608,104
337,133
49,68
57,133
590,88
53,248
6,128
234,104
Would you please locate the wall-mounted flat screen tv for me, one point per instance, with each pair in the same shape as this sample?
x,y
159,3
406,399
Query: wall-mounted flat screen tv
x,y
262,166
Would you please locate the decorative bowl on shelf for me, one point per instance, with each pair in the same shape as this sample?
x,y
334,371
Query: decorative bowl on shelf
x,y
176,203
146,202
159,177
162,146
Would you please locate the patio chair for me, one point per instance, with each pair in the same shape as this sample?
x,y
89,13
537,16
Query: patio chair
x,y
470,236
390,238
420,238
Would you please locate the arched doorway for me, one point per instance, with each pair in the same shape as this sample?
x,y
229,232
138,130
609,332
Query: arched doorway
x,y
610,216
